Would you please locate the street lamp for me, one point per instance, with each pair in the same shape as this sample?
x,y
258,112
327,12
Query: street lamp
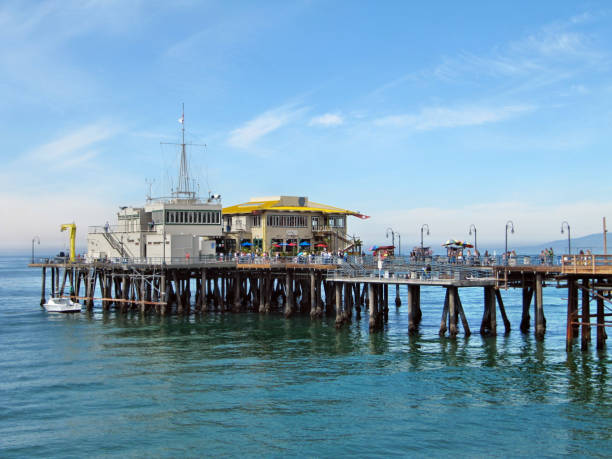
x,y
472,226
509,224
569,240
389,230
34,239
399,244
424,225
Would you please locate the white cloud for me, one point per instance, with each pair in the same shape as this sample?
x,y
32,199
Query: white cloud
x,y
70,147
327,120
267,122
444,117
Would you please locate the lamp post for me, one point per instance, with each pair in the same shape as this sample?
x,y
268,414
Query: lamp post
x,y
34,239
569,240
472,226
425,225
509,224
399,244
389,230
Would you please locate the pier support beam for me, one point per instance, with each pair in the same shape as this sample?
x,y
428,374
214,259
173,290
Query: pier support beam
x,y
43,288
443,328
502,310
586,316
163,294
527,296
464,322
338,291
540,327
601,332
289,308
375,316
452,311
398,301
203,292
489,320
412,300
385,288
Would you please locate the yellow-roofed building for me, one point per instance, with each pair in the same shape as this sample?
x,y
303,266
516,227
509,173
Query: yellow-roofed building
x,y
287,224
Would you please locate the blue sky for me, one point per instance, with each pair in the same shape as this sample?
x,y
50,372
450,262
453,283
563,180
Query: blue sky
x,y
446,113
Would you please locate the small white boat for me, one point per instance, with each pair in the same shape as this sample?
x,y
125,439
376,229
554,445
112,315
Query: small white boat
x,y
62,304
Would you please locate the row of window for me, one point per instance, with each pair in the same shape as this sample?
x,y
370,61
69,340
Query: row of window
x,y
211,217
332,222
189,217
287,221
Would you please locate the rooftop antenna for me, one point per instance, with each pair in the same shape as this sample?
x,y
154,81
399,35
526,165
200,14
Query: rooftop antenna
x,y
149,183
184,182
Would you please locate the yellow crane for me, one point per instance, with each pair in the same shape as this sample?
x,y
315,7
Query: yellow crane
x,y
72,228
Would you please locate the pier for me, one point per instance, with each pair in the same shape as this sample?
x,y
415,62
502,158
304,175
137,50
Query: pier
x,y
340,288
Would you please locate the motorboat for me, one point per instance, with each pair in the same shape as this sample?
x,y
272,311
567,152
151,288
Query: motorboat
x,y
62,304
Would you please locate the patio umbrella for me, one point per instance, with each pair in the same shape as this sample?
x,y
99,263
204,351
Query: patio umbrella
x,y
246,244
321,245
292,244
467,244
374,247
275,245
304,243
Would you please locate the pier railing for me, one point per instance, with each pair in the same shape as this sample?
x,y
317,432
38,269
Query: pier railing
x,y
588,264
415,271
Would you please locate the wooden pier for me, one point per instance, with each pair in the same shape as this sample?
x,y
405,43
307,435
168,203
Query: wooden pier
x,y
337,290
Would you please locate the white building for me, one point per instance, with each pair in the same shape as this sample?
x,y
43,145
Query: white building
x,y
171,229
188,226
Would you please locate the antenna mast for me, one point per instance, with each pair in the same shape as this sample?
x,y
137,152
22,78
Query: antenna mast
x,y
184,190
183,185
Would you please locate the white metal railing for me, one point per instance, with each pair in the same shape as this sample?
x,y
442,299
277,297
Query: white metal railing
x,y
117,229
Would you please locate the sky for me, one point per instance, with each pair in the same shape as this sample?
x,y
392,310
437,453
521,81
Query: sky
x,y
439,113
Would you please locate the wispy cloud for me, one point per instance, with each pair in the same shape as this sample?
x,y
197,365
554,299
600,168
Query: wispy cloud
x,y
553,53
73,148
445,117
263,124
327,120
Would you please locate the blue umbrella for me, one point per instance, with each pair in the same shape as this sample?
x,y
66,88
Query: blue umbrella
x,y
304,243
246,244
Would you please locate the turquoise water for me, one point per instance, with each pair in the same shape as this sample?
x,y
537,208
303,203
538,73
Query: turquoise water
x,y
250,385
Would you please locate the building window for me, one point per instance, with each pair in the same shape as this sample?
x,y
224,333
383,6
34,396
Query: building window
x,y
256,221
287,221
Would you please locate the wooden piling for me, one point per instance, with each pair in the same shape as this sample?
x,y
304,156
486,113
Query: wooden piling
x,y
443,328
527,296
338,291
411,301
289,295
601,333
43,299
539,313
452,310
502,310
464,322
586,316
398,301
372,307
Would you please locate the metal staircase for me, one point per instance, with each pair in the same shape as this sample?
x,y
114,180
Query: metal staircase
x,y
115,244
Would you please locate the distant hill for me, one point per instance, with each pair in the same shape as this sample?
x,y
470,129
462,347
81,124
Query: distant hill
x,y
592,242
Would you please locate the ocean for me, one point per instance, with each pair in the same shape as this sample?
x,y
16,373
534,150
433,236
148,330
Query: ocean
x,y
110,385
